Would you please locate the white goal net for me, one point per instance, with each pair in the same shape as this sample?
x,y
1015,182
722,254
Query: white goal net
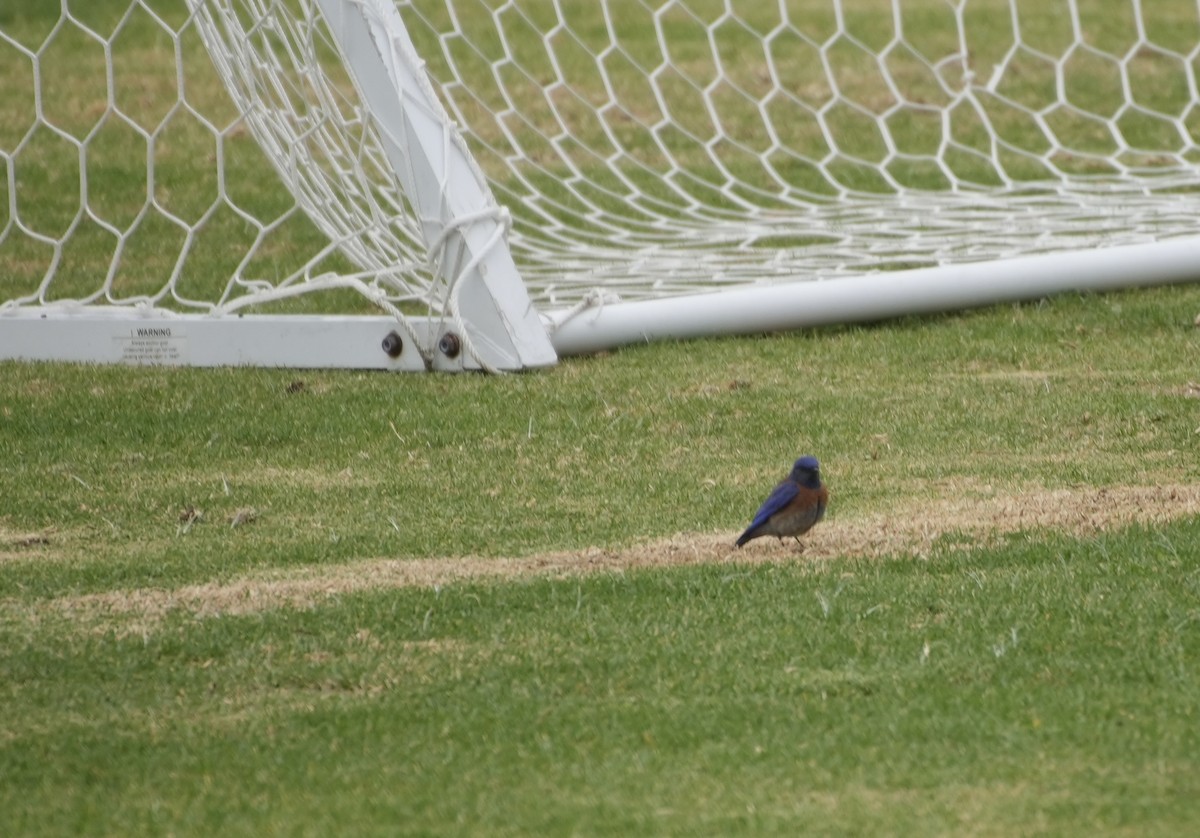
x,y
223,156
666,147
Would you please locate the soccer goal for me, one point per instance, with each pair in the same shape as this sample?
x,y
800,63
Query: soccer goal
x,y
448,184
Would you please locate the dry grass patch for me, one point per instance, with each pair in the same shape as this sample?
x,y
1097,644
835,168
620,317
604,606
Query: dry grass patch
x,y
970,521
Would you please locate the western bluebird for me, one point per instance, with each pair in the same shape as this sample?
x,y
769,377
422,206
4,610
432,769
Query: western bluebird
x,y
793,507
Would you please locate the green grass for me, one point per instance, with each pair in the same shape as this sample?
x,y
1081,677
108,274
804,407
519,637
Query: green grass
x,y
1056,694
1076,390
1046,683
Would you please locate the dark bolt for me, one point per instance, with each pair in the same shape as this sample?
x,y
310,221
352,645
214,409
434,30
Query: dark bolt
x,y
449,345
393,345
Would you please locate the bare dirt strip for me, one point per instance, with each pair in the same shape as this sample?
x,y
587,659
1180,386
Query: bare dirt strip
x,y
964,522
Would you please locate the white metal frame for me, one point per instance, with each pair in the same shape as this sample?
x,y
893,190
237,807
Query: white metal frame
x,y
876,296
154,337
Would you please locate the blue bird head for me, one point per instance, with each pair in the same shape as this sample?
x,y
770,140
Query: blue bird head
x,y
807,471
807,463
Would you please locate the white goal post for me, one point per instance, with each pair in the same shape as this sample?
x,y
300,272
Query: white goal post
x,y
450,184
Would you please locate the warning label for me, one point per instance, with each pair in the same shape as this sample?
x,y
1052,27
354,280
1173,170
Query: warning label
x,y
153,345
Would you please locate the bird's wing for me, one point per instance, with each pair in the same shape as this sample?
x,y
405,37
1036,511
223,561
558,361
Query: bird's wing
x,y
780,496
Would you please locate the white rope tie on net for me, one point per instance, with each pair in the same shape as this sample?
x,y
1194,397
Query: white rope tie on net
x,y
501,222
329,281
596,299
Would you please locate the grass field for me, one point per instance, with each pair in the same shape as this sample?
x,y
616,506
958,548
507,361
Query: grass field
x,y
248,602
270,602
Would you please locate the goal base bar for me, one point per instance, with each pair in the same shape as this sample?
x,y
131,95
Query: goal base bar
x,y
99,335
114,335
805,303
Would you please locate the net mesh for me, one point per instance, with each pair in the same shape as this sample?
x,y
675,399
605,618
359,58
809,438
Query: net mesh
x,y
657,148
215,155
196,156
